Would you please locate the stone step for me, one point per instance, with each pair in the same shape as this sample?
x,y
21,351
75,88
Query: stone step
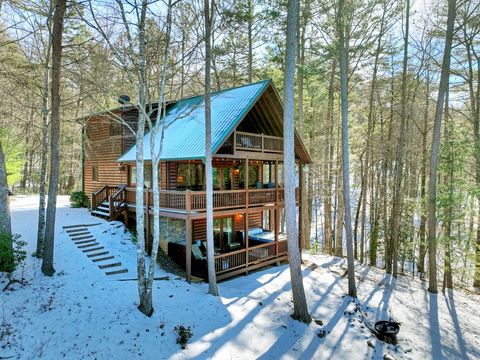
x,y
79,234
82,237
74,231
85,241
88,245
104,258
106,266
80,225
116,272
98,254
93,249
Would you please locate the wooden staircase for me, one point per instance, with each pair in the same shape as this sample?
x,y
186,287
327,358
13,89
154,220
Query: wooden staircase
x,y
109,202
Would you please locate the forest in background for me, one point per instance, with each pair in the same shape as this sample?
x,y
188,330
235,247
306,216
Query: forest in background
x,y
391,111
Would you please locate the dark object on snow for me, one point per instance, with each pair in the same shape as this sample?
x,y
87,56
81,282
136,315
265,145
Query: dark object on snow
x,y
387,331
387,328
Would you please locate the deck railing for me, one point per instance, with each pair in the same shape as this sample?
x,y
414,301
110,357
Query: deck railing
x,y
258,142
235,261
222,200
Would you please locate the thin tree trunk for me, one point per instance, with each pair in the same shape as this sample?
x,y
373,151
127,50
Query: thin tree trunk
x,y
328,167
155,152
352,291
447,273
392,267
44,144
6,264
250,41
432,187
212,281
300,310
57,33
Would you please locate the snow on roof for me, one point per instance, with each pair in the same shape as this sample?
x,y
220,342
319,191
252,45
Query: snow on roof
x,y
184,137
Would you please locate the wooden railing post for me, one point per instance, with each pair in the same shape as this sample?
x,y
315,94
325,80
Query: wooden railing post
x,y
188,249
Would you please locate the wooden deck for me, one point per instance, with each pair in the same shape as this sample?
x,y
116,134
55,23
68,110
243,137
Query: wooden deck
x,y
194,202
244,260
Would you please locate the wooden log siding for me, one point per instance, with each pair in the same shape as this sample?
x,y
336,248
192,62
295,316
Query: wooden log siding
x,y
102,151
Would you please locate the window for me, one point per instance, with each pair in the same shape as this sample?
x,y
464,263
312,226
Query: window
x,y
94,173
116,128
222,179
252,176
222,232
147,173
190,176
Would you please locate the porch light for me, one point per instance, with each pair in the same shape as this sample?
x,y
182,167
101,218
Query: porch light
x,y
236,171
180,179
121,167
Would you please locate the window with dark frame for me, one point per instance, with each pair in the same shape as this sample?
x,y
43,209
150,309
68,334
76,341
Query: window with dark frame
x,y
94,173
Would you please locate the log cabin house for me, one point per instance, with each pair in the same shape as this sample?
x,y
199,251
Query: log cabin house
x,y
247,148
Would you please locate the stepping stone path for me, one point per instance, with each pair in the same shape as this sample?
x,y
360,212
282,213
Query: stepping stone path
x,y
86,242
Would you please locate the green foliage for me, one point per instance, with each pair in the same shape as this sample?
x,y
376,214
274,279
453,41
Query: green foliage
x,y
184,334
12,254
315,248
79,199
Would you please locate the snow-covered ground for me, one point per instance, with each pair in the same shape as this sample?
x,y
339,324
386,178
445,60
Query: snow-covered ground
x,y
81,313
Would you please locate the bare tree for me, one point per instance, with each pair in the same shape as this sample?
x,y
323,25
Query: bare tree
x,y
432,186
156,146
57,33
212,281
345,151
300,310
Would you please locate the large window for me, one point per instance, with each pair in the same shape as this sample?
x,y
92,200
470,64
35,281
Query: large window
x,y
190,176
147,171
222,232
222,178
252,176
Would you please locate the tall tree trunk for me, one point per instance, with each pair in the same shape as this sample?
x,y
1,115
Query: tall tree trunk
x,y
250,41
212,281
447,272
340,218
423,181
145,305
432,186
328,166
156,147
300,310
44,145
57,33
392,267
6,263
352,291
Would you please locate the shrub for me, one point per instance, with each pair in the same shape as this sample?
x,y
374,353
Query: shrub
x,y
78,199
184,334
12,254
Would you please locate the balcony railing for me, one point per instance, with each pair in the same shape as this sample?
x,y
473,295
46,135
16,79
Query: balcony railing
x,y
258,142
222,200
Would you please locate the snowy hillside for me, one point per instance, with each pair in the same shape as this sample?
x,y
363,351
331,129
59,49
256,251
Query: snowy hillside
x,y
82,313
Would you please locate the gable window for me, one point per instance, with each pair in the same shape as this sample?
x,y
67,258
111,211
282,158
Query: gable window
x,y
94,173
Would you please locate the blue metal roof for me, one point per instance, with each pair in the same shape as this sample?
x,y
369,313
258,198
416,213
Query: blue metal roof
x,y
185,133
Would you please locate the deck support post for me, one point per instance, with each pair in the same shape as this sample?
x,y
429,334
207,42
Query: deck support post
x,y
246,241
188,250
